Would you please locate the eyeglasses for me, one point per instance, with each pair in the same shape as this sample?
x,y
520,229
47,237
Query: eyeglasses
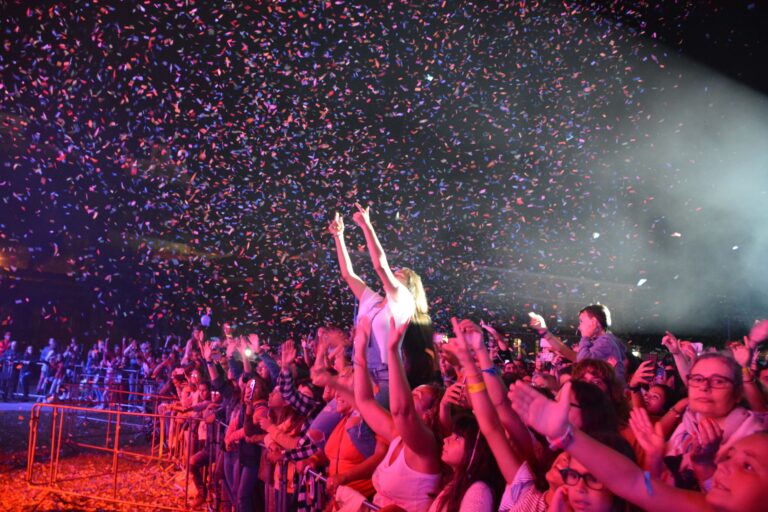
x,y
713,381
571,477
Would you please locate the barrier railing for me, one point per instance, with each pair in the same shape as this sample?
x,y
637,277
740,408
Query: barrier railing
x,y
109,396
319,478
69,431
22,379
121,435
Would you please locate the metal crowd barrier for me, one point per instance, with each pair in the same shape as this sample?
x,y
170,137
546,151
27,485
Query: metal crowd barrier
x,y
69,431
72,427
88,394
319,477
123,379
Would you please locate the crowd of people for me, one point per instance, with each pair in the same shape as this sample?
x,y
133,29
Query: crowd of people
x,y
396,416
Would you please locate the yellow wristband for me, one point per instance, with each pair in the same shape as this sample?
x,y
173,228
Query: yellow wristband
x,y
476,387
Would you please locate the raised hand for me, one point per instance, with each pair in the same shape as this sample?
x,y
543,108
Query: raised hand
x,y
493,332
231,347
253,343
758,333
643,375
537,322
336,227
320,377
458,346
688,350
396,334
455,395
473,335
742,352
206,350
544,415
362,216
649,435
287,354
671,343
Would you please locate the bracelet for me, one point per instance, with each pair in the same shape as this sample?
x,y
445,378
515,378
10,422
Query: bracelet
x,y
562,442
490,371
647,478
477,387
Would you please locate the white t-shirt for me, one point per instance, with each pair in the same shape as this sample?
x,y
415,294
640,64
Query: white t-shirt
x,y
396,483
521,494
477,498
401,307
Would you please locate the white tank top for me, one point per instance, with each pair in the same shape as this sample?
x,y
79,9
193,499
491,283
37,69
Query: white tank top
x,y
397,484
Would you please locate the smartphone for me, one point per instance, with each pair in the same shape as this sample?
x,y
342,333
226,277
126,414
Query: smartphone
x,y
653,357
462,396
439,338
249,390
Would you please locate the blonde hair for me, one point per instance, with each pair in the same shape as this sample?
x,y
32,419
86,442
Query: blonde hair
x,y
416,287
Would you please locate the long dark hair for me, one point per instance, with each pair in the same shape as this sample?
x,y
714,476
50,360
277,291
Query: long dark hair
x,y
477,465
605,371
597,411
419,354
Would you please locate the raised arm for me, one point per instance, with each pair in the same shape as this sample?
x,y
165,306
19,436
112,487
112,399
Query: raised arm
x,y
508,459
643,375
336,229
362,218
514,426
538,324
618,473
742,353
376,416
241,347
416,435
681,362
212,367
498,338
303,404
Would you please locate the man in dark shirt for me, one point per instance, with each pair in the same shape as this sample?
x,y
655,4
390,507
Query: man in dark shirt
x,y
9,373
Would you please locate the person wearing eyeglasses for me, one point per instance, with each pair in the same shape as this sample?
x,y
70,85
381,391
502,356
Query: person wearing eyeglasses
x,y
711,424
581,490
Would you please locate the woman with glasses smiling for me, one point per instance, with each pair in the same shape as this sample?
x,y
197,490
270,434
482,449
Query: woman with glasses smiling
x,y
711,424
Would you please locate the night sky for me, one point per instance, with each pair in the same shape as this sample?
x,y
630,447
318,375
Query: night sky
x,y
158,157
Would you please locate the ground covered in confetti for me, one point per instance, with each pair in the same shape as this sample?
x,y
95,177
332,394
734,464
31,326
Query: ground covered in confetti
x,y
82,471
165,156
